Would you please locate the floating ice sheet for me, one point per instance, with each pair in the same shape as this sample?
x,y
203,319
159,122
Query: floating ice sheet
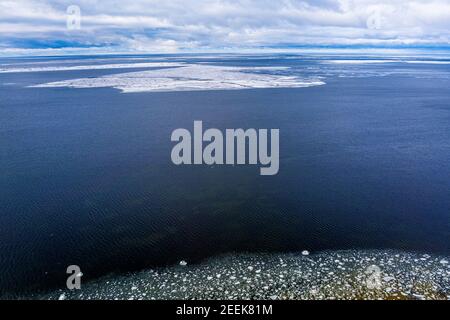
x,y
364,61
427,62
360,61
191,77
91,67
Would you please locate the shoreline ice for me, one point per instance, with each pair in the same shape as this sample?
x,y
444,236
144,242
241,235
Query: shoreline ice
x,y
322,276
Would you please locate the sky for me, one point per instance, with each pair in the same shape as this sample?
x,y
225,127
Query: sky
x,y
171,26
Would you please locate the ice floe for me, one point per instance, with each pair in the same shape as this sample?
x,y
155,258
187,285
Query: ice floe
x,y
183,263
427,62
366,61
91,67
191,77
360,61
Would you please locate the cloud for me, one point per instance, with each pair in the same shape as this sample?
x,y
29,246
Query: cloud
x,y
199,25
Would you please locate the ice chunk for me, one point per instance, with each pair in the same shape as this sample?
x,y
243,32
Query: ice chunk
x,y
191,77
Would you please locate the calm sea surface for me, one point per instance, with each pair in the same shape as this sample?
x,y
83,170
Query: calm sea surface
x,y
86,176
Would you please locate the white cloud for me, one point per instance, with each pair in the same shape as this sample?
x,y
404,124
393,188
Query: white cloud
x,y
178,25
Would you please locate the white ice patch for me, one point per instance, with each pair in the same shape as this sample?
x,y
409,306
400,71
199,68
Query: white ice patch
x,y
427,62
91,67
362,61
191,77
359,61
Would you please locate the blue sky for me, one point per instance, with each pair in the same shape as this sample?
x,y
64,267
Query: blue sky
x,y
155,26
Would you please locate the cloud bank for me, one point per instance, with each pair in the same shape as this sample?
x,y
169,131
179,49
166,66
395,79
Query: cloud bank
x,y
151,26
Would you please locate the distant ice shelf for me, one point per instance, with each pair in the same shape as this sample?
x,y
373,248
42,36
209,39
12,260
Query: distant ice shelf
x,y
90,67
365,61
192,77
359,61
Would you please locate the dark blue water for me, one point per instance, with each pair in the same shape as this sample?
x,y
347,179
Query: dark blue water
x,y
86,176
